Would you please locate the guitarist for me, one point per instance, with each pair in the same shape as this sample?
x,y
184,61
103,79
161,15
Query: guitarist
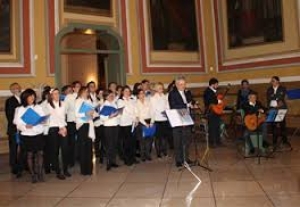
x,y
276,99
254,108
214,120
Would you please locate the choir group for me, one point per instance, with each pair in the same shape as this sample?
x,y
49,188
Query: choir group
x,y
69,135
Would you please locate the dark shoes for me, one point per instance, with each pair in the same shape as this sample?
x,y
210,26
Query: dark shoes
x,y
34,178
179,164
67,174
60,177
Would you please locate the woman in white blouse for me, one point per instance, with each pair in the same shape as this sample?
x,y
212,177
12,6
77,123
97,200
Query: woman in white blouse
x,y
111,128
159,104
143,113
86,132
58,134
31,136
127,119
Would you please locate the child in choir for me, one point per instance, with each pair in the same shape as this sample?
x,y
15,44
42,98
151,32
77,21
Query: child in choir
x,y
71,126
143,113
31,136
111,128
159,104
58,134
127,119
86,131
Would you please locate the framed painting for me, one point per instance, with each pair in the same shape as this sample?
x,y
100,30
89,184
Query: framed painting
x,y
173,25
5,26
90,7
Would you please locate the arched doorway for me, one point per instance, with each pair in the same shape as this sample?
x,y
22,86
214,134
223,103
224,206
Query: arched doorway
x,y
78,45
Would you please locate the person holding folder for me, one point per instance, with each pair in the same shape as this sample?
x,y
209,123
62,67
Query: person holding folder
x,y
109,114
181,99
31,132
127,120
57,134
159,104
84,114
143,114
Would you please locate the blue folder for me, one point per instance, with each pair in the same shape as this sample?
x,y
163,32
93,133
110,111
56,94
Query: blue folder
x,y
149,132
107,110
62,97
31,117
271,115
85,107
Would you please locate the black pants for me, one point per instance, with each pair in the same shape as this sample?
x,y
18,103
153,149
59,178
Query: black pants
x,y
161,138
145,143
182,140
111,136
214,122
13,152
99,144
86,150
129,144
282,129
58,142
71,127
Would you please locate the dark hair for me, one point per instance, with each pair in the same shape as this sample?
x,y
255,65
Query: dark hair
x,y
110,83
118,87
99,89
50,100
276,78
76,82
123,89
25,94
244,81
136,88
252,93
171,86
106,93
89,83
213,81
45,94
145,81
138,91
81,90
65,87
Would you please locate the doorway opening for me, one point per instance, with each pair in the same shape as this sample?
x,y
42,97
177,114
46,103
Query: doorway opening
x,y
87,53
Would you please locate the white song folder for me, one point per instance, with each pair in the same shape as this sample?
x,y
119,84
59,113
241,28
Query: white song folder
x,y
179,117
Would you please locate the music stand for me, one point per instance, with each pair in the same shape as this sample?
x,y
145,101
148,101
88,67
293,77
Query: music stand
x,y
279,115
181,118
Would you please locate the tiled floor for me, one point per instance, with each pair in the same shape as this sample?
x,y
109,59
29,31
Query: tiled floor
x,y
234,182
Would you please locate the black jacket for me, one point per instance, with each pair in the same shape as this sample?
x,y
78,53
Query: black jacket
x,y
279,96
249,109
209,97
176,101
10,106
242,99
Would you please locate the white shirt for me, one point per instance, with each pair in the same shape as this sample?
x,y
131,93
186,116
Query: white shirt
x,y
70,106
183,96
94,99
57,115
99,122
159,104
21,125
18,98
128,116
46,111
143,111
109,121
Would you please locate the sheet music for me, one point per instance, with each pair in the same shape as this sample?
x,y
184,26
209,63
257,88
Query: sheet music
x,y
280,115
179,117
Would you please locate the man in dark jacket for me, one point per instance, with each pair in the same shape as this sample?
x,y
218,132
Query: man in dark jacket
x,y
180,98
10,105
276,94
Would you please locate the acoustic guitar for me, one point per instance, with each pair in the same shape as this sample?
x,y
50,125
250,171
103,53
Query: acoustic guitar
x,y
219,108
252,121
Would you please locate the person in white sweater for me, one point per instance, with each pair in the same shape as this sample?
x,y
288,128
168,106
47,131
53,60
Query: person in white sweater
x,y
31,136
143,113
127,119
58,134
111,128
71,126
159,104
86,132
